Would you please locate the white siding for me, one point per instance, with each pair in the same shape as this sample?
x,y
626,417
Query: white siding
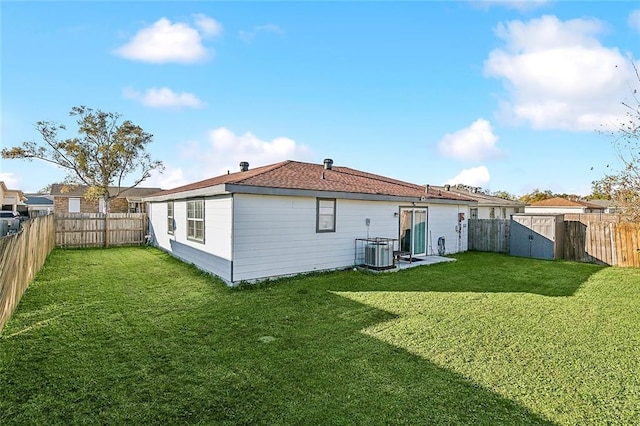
x,y
276,235
214,255
442,221
552,210
252,237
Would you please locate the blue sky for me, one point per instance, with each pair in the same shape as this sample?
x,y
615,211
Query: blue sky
x,y
502,95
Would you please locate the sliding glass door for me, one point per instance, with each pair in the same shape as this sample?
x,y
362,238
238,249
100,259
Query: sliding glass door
x,y
413,231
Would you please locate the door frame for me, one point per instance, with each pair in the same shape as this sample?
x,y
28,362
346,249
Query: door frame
x,y
412,210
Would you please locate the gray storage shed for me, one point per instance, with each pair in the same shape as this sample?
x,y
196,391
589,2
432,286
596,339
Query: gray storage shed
x,y
539,236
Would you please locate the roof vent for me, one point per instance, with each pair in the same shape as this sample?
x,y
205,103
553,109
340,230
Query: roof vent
x,y
328,163
447,187
244,166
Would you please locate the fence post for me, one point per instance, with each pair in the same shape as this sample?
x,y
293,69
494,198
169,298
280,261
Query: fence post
x,y
106,230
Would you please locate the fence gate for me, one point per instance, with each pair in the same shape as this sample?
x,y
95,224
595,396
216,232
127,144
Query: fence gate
x,y
537,236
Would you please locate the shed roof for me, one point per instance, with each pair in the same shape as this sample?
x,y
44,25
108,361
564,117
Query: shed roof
x,y
297,175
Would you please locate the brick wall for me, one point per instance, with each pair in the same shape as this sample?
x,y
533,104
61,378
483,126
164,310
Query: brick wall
x,y
117,205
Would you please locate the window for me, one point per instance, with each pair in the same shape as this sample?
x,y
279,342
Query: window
x,y
170,222
74,205
136,207
473,213
504,212
325,215
492,213
195,220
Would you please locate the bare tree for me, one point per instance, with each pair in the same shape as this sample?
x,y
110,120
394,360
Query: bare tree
x,y
623,186
106,151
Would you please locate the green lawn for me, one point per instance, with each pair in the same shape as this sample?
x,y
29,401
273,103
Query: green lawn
x,y
133,336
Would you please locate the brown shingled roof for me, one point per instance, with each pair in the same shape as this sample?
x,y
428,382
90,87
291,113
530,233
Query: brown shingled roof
x,y
308,176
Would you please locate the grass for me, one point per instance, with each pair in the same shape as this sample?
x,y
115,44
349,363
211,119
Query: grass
x,y
134,336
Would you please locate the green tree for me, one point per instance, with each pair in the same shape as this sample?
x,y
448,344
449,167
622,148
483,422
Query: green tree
x,y
106,151
623,186
536,195
597,193
504,195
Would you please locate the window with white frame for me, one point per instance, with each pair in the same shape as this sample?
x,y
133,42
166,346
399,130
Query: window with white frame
x,y
195,220
504,212
325,215
492,213
473,213
74,205
170,220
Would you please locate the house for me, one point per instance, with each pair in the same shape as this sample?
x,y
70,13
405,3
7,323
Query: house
x,y
39,204
559,205
609,206
12,199
292,217
71,199
488,207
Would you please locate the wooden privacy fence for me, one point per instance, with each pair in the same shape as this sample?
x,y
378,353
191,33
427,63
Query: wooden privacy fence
x,y
489,235
21,257
587,237
606,242
592,217
99,229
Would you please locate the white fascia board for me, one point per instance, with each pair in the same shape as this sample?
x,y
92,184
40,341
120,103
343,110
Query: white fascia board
x,y
200,192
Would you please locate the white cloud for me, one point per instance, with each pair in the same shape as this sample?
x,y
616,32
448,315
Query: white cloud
x,y
10,180
164,98
171,178
474,143
208,26
475,176
164,41
248,36
634,20
225,150
558,74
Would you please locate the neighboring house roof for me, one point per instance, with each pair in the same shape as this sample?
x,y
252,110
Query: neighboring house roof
x,y
294,175
607,204
38,199
563,202
483,200
62,190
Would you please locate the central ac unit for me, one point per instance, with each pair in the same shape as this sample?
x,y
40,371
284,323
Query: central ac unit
x,y
378,255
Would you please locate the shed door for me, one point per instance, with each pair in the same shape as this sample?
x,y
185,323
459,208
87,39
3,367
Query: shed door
x,y
533,236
